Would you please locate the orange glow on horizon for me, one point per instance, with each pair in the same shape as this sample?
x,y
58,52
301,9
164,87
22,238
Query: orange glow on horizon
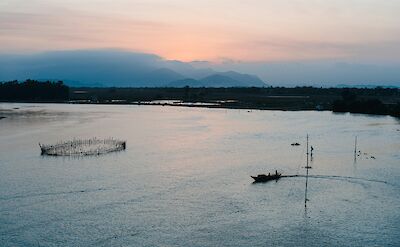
x,y
204,30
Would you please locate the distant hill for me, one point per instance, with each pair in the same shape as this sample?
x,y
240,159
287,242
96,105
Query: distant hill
x,y
160,77
115,68
218,80
244,79
224,79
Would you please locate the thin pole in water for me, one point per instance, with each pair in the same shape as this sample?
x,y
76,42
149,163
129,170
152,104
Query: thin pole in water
x,y
355,149
308,154
307,167
355,145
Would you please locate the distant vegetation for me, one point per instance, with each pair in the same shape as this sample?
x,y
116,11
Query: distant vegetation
x,y
380,101
31,90
350,103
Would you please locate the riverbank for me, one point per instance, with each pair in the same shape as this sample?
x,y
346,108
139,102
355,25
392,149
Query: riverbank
x,y
374,109
378,101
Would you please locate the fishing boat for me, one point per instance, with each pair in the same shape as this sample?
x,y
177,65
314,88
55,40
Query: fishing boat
x,y
262,178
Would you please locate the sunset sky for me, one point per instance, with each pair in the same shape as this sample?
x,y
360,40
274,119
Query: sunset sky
x,y
366,31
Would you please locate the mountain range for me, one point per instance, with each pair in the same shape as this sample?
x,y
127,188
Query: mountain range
x,y
220,79
105,68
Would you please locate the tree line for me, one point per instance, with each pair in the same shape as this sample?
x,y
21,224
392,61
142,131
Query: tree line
x,y
32,90
351,103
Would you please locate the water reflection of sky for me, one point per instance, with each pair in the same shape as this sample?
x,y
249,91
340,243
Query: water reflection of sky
x,y
185,178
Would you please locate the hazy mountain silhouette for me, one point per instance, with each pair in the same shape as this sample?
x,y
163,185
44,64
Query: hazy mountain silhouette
x,y
326,73
105,67
187,70
132,69
113,68
224,79
160,77
245,79
220,81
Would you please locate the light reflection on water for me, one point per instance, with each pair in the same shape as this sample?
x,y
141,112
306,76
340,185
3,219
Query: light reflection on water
x,y
184,179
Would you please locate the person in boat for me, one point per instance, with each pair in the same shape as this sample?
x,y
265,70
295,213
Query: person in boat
x,y
276,172
269,174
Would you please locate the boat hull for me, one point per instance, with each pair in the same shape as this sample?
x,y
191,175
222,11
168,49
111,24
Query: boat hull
x,y
265,178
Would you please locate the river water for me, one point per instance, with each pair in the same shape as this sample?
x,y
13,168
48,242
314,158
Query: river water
x,y
184,179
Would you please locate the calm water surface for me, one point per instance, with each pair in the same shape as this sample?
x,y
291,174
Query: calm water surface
x,y
184,179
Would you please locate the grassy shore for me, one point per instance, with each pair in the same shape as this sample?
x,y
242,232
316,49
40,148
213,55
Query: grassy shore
x,y
272,98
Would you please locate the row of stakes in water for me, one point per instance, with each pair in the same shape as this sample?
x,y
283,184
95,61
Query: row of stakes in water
x,y
82,147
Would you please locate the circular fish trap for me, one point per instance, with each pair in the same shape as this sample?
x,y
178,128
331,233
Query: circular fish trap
x,y
83,147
